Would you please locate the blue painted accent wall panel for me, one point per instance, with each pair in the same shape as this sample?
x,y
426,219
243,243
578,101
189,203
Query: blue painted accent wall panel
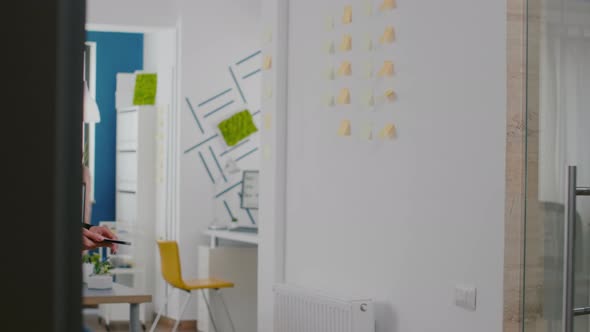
x,y
115,53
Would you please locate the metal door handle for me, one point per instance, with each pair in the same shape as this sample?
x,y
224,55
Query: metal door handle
x,y
569,312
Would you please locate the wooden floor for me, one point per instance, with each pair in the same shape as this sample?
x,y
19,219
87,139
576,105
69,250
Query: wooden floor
x,y
92,324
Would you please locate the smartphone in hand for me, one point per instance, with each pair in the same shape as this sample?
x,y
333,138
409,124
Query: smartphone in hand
x,y
116,241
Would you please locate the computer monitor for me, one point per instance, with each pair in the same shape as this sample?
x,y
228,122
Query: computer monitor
x,y
250,190
248,202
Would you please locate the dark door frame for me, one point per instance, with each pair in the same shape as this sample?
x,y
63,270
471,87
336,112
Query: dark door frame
x,y
41,145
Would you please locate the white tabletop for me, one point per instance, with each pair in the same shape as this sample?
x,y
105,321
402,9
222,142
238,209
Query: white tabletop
x,y
244,237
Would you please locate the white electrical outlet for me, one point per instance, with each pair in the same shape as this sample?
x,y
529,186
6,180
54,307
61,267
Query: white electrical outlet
x,y
466,297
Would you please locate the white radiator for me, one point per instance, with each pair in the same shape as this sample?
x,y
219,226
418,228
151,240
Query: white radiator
x,y
303,310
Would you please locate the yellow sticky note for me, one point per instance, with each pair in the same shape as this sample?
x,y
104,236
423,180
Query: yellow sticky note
x,y
388,35
267,121
387,69
330,23
347,18
367,132
345,128
387,5
345,69
330,101
344,97
267,63
330,76
346,44
390,95
388,132
330,48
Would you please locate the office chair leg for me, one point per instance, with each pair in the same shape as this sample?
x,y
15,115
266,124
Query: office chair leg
x,y
209,309
188,298
233,328
160,312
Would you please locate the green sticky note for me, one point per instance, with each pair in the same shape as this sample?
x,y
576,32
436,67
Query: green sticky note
x,y
145,89
237,127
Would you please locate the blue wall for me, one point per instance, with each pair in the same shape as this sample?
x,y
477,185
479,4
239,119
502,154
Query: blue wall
x,y
115,53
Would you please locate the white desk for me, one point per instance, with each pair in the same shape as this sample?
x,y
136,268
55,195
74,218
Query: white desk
x,y
244,237
238,264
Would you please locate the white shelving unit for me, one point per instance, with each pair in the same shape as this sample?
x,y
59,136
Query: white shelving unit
x,y
135,196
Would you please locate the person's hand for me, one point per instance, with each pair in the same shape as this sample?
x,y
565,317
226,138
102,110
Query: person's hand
x,y
93,238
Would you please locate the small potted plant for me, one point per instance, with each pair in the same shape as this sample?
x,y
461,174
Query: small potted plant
x,y
101,277
88,263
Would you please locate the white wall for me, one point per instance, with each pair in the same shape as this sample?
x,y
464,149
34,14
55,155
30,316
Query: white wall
x,y
160,53
214,36
132,13
402,221
271,232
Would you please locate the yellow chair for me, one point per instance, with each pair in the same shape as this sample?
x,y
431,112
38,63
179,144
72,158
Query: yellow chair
x,y
170,264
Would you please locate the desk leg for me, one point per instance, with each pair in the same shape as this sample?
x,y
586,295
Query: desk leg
x,y
134,324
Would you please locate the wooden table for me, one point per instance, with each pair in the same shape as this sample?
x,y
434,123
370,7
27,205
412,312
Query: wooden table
x,y
119,294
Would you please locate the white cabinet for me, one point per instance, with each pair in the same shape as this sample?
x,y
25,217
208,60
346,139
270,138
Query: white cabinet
x,y
135,204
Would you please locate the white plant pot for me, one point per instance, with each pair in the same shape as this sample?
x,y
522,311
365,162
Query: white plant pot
x,y
103,281
87,270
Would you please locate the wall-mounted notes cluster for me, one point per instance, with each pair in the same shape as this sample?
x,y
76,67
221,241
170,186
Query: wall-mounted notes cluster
x,y
369,98
376,70
384,6
388,131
